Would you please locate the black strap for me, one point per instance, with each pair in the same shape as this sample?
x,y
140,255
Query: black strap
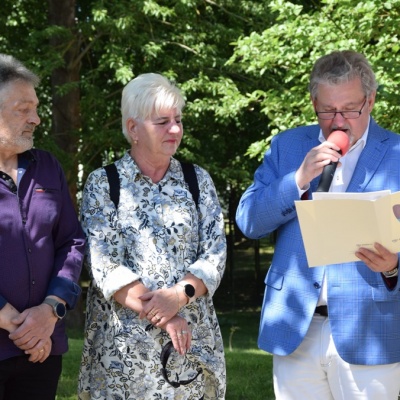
x,y
191,179
165,353
189,174
113,181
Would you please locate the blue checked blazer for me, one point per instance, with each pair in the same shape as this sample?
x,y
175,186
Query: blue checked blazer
x,y
364,314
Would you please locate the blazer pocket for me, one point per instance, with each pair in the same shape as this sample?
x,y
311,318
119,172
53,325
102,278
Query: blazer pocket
x,y
274,280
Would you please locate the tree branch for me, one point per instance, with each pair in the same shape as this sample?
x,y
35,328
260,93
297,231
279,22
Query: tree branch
x,y
213,3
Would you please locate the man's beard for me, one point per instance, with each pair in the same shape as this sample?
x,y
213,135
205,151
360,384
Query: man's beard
x,y
19,145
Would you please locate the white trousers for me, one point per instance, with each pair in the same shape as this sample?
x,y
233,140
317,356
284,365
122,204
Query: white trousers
x,y
316,372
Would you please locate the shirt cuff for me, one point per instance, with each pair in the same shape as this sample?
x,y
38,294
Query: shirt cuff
x,y
64,289
3,302
390,282
116,280
302,191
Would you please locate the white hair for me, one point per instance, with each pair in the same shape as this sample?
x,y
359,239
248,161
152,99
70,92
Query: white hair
x,y
146,95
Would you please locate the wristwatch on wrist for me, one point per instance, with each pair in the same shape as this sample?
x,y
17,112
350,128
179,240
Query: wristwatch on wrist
x,y
59,308
391,274
189,291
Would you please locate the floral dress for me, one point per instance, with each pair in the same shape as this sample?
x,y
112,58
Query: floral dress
x,y
156,236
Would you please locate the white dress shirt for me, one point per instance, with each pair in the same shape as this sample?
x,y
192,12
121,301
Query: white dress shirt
x,y
340,182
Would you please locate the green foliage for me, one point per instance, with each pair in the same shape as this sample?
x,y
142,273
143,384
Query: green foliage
x,y
187,40
281,57
243,66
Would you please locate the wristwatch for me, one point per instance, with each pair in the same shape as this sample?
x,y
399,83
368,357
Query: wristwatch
x,y
189,291
391,274
59,308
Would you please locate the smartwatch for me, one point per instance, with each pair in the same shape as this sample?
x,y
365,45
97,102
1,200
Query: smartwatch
x,y
189,291
59,308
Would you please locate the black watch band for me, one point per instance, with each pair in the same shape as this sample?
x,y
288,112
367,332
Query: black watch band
x,y
189,291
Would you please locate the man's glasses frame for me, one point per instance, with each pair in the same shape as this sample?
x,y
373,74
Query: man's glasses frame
x,y
351,114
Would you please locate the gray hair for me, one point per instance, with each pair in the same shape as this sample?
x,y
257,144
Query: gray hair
x,y
13,70
341,67
146,95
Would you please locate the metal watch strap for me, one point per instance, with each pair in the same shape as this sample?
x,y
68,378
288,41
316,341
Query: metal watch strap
x,y
391,274
54,304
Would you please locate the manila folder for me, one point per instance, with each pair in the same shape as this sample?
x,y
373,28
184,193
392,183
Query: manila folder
x,y
335,225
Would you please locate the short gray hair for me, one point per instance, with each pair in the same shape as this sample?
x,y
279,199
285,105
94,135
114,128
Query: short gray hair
x,y
341,67
148,94
13,70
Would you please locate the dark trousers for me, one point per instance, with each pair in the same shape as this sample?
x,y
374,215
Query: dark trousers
x,y
21,379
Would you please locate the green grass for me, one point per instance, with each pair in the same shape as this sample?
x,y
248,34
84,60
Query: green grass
x,y
67,386
238,302
248,369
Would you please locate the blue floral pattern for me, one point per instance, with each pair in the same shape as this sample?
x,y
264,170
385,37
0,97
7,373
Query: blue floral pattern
x,y
158,236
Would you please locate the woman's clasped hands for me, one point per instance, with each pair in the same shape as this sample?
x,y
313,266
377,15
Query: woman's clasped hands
x,y
160,307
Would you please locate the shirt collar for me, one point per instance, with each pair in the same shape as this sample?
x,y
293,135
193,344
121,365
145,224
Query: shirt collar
x,y
24,159
174,170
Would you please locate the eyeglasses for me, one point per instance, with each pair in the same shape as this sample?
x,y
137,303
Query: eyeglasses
x,y
345,114
165,353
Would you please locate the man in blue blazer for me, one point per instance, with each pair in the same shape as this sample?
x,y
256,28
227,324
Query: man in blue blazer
x,y
334,330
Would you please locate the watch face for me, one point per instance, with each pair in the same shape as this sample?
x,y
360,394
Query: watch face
x,y
189,290
61,310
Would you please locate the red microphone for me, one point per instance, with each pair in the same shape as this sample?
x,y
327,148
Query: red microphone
x,y
341,140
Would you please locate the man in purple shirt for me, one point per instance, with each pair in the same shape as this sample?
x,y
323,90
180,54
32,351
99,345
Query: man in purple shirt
x,y
41,246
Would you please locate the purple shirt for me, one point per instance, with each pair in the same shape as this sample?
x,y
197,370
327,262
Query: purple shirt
x,y
41,242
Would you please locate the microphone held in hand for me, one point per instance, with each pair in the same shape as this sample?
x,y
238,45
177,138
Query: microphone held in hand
x,y
327,177
341,140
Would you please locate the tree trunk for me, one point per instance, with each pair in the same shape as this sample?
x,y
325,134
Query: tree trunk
x,y
66,120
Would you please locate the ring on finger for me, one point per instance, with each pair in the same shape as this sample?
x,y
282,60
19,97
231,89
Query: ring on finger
x,y
184,332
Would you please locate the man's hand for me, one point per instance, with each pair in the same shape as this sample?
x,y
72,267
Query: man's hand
x,y
36,325
380,261
7,314
42,354
315,161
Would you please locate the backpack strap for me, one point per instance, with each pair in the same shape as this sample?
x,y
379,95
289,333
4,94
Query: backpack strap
x,y
113,181
189,174
191,179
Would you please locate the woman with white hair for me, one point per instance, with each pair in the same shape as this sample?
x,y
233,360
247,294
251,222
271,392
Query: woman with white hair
x,y
155,259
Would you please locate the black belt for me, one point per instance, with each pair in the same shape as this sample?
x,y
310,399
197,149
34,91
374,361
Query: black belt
x,y
322,310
